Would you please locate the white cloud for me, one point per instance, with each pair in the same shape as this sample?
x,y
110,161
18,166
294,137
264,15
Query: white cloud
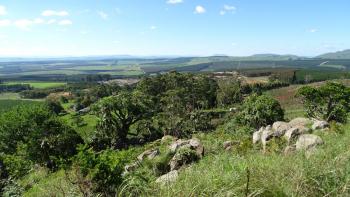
x,y
65,22
174,1
52,21
313,30
103,15
153,27
228,8
54,13
5,22
199,10
2,10
23,24
38,21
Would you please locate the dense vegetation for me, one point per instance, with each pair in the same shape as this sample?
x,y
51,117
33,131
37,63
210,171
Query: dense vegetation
x,y
82,137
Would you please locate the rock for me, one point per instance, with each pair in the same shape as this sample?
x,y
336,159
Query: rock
x,y
197,146
308,142
320,124
168,178
257,135
280,128
193,144
130,167
296,122
227,145
176,145
295,131
185,155
266,135
289,150
150,154
84,111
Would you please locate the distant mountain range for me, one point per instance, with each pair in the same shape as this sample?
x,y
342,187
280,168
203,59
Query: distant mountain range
x,y
258,57
336,55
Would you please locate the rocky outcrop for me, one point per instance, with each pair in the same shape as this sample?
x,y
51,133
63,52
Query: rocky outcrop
x,y
257,135
320,125
298,122
280,128
149,154
308,142
295,129
168,178
193,144
186,152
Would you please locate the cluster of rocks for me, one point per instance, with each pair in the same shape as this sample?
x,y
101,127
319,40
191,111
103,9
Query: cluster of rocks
x,y
297,129
180,150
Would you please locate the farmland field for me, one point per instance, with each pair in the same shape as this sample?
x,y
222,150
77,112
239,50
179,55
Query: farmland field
x,y
38,84
8,104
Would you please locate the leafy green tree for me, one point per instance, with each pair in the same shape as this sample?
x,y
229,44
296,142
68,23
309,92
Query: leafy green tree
x,y
45,138
54,106
117,113
229,92
330,102
260,111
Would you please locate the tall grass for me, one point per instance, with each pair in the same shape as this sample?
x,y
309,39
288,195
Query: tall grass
x,y
326,172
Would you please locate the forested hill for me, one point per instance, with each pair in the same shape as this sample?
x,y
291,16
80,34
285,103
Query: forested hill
x,y
336,55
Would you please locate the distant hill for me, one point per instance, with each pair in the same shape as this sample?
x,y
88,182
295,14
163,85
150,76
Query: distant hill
x,y
268,57
336,55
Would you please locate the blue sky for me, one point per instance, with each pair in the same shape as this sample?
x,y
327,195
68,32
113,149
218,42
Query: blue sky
x,y
173,27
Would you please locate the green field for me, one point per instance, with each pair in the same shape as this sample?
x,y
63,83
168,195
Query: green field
x,y
8,104
38,84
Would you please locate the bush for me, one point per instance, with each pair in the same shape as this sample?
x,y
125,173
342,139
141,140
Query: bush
x,y
260,111
42,135
104,169
330,102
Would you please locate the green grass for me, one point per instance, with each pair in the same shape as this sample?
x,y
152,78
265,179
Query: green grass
x,y
38,84
221,173
8,104
9,96
86,131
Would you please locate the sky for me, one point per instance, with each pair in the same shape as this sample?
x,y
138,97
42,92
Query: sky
x,y
172,27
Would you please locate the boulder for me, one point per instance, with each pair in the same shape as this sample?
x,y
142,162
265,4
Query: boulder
x,y
150,154
280,128
130,167
184,156
320,124
197,146
257,135
227,145
266,135
295,131
168,178
289,150
298,122
193,144
308,142
176,145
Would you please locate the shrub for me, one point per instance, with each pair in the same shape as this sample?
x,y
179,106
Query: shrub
x,y
260,111
328,102
104,169
44,137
